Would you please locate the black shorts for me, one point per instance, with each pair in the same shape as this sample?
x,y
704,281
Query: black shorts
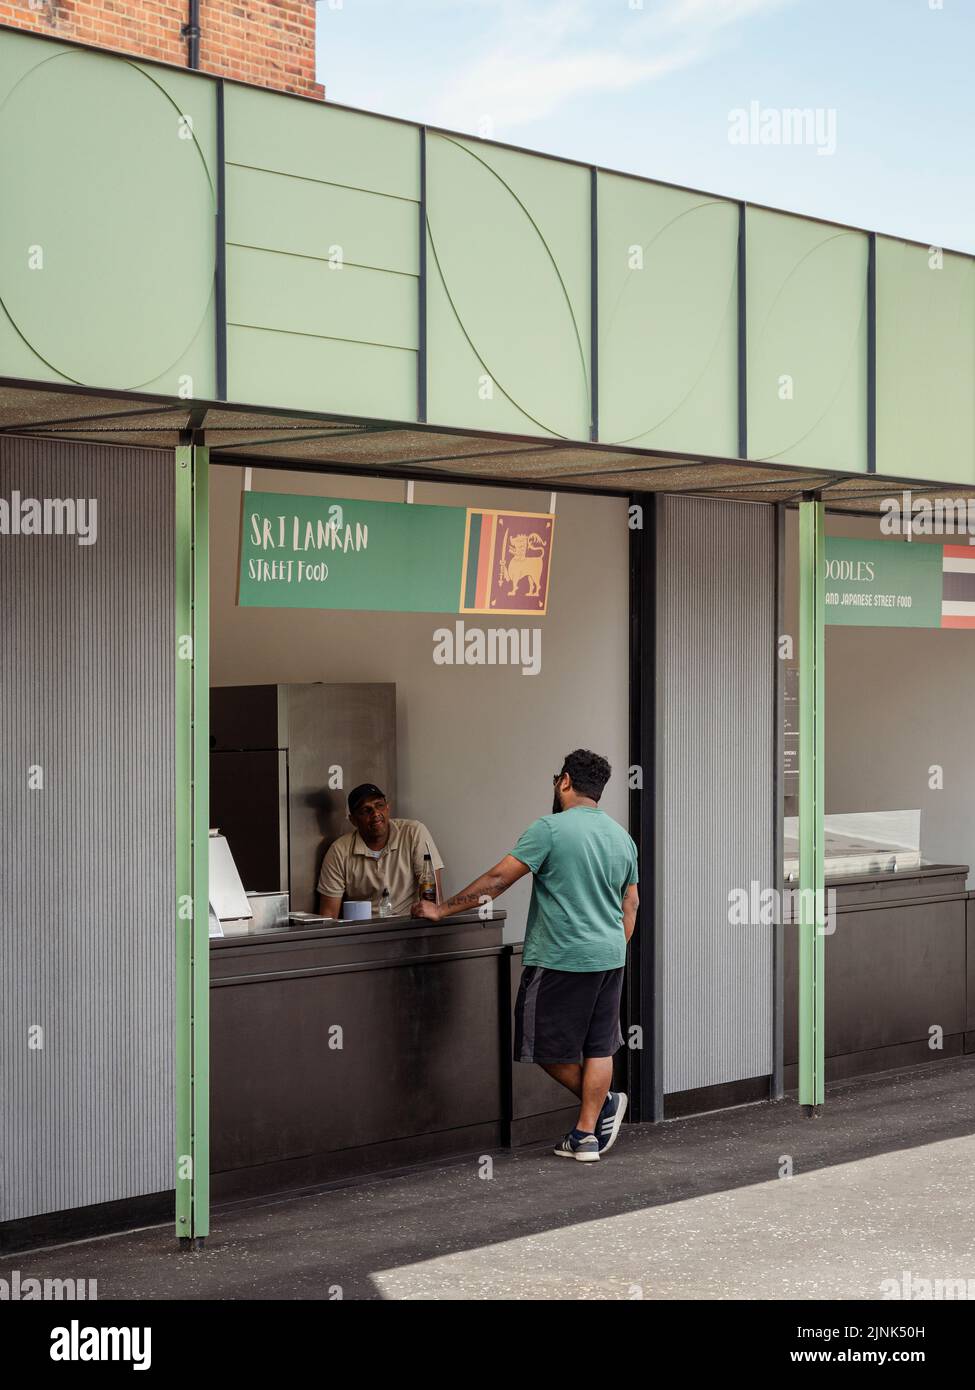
x,y
566,1015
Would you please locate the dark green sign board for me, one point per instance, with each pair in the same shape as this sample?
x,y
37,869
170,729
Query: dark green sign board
x,y
395,557
883,583
339,552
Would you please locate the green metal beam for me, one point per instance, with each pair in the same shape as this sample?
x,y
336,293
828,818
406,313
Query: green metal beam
x,y
192,1044
812,894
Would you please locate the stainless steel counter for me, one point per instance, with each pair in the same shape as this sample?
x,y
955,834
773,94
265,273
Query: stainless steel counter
x,y
236,934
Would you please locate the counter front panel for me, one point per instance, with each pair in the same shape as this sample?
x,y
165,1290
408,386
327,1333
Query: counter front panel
x,y
339,1050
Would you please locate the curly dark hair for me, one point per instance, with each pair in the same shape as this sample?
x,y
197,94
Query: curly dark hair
x,y
588,772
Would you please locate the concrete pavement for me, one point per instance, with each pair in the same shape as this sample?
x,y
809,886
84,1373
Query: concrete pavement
x,y
882,1184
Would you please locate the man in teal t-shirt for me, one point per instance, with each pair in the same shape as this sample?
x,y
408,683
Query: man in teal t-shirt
x,y
582,914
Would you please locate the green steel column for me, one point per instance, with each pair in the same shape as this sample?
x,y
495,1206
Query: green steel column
x,y
184,841
812,896
192,1050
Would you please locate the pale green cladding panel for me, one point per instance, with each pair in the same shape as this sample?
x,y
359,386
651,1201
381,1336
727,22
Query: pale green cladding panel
x,y
806,317
107,233
668,318
322,257
508,273
925,363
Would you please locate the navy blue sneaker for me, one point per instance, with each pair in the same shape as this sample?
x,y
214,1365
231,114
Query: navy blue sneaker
x,y
585,1150
610,1120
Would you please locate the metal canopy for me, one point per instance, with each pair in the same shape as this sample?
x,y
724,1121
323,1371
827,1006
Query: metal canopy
x,y
347,445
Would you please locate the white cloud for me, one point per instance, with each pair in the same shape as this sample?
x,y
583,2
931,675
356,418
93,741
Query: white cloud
x,y
716,12
513,90
538,57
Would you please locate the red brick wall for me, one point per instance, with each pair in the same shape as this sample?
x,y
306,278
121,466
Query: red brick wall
x,y
270,43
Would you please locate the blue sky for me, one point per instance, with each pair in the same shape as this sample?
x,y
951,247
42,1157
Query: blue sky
x,y
648,86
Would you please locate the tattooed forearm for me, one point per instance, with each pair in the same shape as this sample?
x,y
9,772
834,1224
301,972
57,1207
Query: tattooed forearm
x,y
462,899
487,887
483,890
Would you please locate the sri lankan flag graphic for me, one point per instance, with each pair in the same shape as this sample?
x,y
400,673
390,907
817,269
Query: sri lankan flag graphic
x,y
958,586
507,561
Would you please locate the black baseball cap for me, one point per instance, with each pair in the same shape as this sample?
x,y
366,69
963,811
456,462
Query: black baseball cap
x,y
361,793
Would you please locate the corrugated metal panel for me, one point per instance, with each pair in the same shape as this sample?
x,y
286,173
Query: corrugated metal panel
x,y
716,649
86,950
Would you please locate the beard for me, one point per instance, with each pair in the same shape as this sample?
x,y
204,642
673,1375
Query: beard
x,y
557,802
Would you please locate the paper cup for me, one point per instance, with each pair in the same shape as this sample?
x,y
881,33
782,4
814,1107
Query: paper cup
x,y
356,911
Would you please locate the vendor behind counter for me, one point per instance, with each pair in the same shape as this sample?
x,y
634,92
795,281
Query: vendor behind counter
x,y
381,852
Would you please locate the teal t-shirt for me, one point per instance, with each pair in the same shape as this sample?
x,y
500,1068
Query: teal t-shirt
x,y
583,863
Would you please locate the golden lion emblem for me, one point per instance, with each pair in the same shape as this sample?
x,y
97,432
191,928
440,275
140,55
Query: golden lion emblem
x,y
522,557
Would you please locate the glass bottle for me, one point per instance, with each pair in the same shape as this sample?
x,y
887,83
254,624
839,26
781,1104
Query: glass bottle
x,y
385,904
428,881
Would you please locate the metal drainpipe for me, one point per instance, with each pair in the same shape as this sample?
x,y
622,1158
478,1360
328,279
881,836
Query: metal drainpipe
x,y
191,32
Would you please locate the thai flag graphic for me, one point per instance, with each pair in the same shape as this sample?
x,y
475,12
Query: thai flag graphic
x,y
958,586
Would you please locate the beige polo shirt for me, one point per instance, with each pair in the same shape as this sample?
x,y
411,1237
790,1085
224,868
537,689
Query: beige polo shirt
x,y
351,870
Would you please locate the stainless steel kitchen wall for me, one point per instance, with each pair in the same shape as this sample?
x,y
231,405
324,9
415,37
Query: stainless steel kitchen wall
x,y
86,833
715,711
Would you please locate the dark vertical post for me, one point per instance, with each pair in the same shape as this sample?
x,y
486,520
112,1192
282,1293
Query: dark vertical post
x,y
192,33
421,356
742,337
506,1043
872,354
594,303
644,978
220,283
